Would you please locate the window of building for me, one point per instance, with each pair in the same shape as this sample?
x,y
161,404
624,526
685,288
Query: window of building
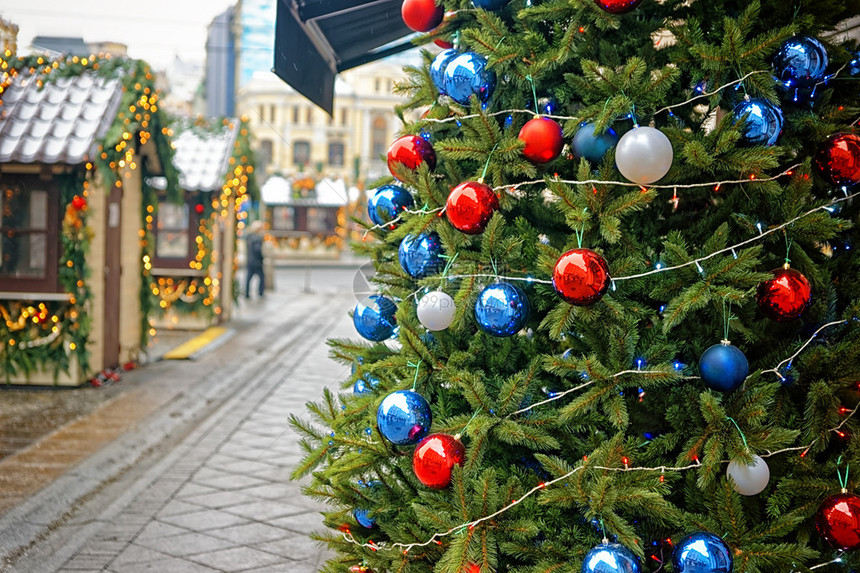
x,y
283,218
344,116
309,116
260,112
318,221
172,232
272,113
301,153
335,153
265,154
377,85
378,137
29,238
295,114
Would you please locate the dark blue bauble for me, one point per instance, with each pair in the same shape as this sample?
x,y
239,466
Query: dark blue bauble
x,y
610,558
489,4
421,256
593,147
854,65
764,121
502,309
723,367
467,74
361,514
437,68
702,552
546,105
365,385
374,318
404,417
800,63
387,203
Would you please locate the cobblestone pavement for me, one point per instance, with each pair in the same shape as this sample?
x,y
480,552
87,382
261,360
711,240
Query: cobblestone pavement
x,y
208,488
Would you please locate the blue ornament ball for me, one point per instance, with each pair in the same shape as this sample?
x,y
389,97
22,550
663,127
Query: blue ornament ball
x,y
361,514
723,367
800,63
502,309
467,74
586,143
764,121
545,106
387,202
404,417
702,552
421,256
610,558
374,318
489,4
854,65
365,385
437,68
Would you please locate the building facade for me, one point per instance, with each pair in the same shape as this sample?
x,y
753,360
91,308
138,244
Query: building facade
x,y
294,136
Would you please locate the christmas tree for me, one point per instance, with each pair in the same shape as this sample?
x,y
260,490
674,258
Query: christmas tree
x,y
616,327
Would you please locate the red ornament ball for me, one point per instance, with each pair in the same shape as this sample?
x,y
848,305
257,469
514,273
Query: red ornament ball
x,y
434,459
543,139
79,203
838,521
785,296
838,160
617,6
581,276
443,44
421,15
411,151
470,207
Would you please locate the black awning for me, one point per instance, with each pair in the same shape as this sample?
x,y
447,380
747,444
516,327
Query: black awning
x,y
316,39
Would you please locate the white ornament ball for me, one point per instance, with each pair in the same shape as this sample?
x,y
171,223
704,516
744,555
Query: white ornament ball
x,y
749,480
644,155
436,310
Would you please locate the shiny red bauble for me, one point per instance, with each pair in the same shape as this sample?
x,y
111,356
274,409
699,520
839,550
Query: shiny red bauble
x,y
78,203
617,6
410,151
543,139
421,15
470,206
838,160
785,296
443,44
581,276
838,521
434,459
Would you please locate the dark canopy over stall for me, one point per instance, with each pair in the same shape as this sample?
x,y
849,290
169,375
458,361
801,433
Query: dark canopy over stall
x,y
316,39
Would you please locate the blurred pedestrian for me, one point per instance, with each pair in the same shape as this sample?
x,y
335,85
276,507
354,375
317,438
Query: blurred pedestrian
x,y
254,249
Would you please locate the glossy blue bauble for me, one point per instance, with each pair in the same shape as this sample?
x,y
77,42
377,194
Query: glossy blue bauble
x,y
437,68
764,121
502,309
365,385
387,203
854,65
591,146
404,417
421,256
467,74
374,318
361,514
489,4
800,63
610,558
702,552
723,367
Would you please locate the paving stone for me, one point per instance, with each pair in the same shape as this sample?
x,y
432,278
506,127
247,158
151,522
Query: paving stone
x,y
192,489
170,565
266,510
301,523
135,554
221,499
156,529
237,559
186,544
176,507
204,520
294,548
231,481
249,533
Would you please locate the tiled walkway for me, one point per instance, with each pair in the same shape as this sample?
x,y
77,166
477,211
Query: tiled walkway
x,y
219,498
